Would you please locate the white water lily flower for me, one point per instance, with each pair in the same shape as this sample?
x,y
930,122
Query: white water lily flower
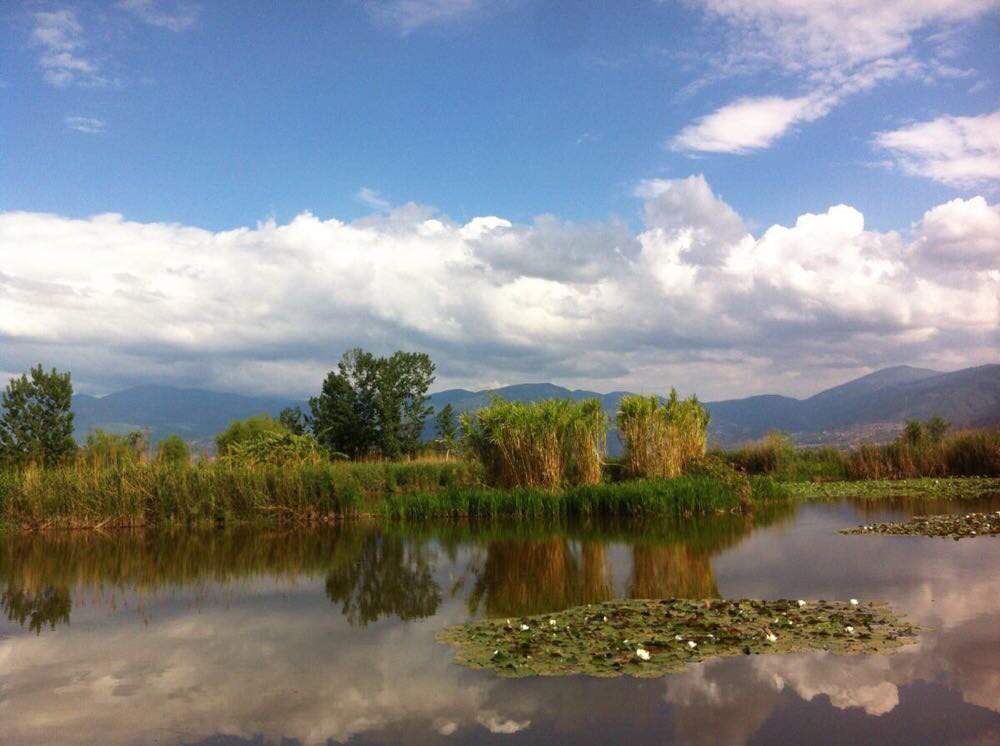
x,y
641,654
801,603
552,622
496,653
678,638
854,602
605,619
850,629
525,628
692,644
771,637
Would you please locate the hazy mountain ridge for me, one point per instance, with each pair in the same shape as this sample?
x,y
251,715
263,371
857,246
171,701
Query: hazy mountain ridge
x,y
871,407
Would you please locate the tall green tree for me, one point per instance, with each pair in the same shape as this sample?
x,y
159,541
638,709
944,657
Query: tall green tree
x,y
936,427
37,420
294,419
446,426
373,404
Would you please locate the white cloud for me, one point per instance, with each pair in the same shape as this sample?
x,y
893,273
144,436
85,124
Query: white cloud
x,y
748,124
958,151
60,37
407,16
961,233
371,198
175,17
832,49
693,299
89,125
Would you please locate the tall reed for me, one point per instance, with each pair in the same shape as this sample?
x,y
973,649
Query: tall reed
x,y
661,438
970,453
548,444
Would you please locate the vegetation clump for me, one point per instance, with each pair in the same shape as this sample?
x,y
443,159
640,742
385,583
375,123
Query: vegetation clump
x,y
951,526
36,424
924,450
648,638
949,488
548,444
661,438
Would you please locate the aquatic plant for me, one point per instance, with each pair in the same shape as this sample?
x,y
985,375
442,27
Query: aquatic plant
x,y
549,444
661,438
969,453
951,526
648,638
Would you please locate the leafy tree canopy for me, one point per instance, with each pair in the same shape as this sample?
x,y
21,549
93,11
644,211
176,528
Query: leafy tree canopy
x,y
36,424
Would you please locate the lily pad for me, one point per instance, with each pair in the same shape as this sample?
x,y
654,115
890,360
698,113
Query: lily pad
x,y
949,526
649,638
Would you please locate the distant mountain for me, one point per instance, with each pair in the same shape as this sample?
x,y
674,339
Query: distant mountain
x,y
194,414
872,407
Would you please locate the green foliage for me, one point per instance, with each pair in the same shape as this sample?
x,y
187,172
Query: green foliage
x,y
685,495
173,450
373,404
446,426
274,447
660,439
37,423
294,420
549,444
936,428
776,456
972,453
224,490
913,433
107,449
241,432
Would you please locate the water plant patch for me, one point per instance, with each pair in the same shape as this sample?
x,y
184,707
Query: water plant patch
x,y
649,638
955,527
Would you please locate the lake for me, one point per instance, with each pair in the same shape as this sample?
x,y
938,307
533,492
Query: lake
x,y
309,636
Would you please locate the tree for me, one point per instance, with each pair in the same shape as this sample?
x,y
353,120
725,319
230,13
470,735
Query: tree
x,y
173,450
373,404
294,420
936,427
37,420
103,448
913,433
447,429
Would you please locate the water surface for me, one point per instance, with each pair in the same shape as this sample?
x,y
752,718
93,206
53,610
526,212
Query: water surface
x,y
261,636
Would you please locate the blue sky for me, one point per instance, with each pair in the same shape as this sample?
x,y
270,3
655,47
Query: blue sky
x,y
214,116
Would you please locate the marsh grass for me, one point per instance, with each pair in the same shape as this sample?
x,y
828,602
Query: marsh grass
x,y
547,444
144,493
660,439
969,453
678,496
775,455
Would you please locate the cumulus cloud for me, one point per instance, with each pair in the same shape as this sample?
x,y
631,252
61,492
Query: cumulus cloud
x,y
958,151
171,16
60,37
962,233
832,49
693,299
88,125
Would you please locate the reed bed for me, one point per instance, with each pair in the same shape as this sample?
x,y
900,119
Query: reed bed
x,y
970,453
548,444
145,493
660,439
679,496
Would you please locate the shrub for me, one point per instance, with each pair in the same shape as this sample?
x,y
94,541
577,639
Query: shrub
x,y
173,450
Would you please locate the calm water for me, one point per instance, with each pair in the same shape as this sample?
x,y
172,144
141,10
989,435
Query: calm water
x,y
315,636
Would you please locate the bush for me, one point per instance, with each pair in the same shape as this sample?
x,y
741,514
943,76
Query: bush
x,y
173,450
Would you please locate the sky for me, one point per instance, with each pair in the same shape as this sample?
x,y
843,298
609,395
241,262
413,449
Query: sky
x,y
727,196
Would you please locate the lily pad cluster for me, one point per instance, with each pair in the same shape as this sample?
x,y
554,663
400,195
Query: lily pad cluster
x,y
649,638
950,526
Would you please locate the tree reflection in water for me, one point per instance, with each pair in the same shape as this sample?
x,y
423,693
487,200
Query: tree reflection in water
x,y
383,575
37,608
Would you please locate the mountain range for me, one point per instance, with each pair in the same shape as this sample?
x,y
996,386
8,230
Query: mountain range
x,y
869,408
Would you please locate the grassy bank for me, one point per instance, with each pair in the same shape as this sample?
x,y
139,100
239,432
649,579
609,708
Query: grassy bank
x,y
154,493
683,495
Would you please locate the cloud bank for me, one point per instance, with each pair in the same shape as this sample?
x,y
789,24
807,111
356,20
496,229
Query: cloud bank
x,y
693,299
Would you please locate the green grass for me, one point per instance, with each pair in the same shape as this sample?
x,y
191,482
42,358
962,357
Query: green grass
x,y
940,488
685,495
